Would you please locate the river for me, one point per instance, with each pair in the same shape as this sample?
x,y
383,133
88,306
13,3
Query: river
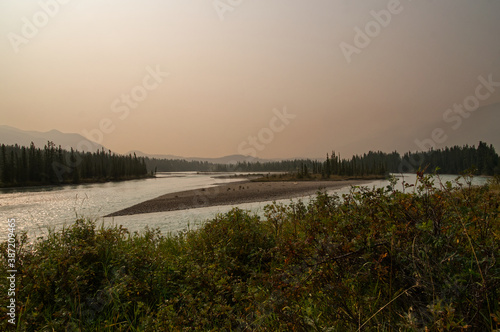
x,y
38,209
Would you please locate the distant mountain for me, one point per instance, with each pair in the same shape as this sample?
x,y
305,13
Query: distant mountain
x,y
11,136
231,159
481,125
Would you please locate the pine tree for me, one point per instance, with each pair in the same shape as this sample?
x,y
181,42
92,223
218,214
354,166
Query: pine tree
x,y
6,172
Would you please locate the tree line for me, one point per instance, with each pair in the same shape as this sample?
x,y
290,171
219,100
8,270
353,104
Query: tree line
x,y
452,160
482,160
21,166
333,165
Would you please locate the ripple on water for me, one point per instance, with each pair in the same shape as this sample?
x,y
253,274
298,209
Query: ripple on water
x,y
38,209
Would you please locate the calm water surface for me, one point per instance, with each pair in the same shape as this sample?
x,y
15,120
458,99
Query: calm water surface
x,y
38,209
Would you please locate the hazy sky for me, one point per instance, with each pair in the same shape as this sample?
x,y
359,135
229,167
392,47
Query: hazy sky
x,y
276,78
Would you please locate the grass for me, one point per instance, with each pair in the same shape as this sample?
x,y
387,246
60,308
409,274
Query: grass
x,y
375,259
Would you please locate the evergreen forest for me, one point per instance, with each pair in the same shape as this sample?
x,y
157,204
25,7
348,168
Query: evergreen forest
x,y
25,166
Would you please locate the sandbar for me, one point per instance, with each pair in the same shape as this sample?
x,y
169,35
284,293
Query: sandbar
x,y
234,193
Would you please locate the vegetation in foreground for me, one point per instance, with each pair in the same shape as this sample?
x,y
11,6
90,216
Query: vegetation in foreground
x,y
424,259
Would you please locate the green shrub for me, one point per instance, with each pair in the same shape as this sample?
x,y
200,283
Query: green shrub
x,y
375,259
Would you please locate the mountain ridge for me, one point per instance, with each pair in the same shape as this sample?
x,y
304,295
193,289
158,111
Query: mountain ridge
x,y
480,125
10,136
229,159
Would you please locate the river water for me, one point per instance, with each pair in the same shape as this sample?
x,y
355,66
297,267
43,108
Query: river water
x,y
38,209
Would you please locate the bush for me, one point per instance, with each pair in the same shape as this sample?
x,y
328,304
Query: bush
x,y
372,259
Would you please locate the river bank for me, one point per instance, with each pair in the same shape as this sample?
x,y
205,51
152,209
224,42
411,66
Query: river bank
x,y
233,193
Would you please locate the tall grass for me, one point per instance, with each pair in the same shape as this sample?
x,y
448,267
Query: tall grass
x,y
375,259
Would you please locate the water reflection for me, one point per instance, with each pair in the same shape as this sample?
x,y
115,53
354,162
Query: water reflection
x,y
38,209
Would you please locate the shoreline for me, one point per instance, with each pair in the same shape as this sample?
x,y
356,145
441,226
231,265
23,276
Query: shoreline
x,y
234,193
42,185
